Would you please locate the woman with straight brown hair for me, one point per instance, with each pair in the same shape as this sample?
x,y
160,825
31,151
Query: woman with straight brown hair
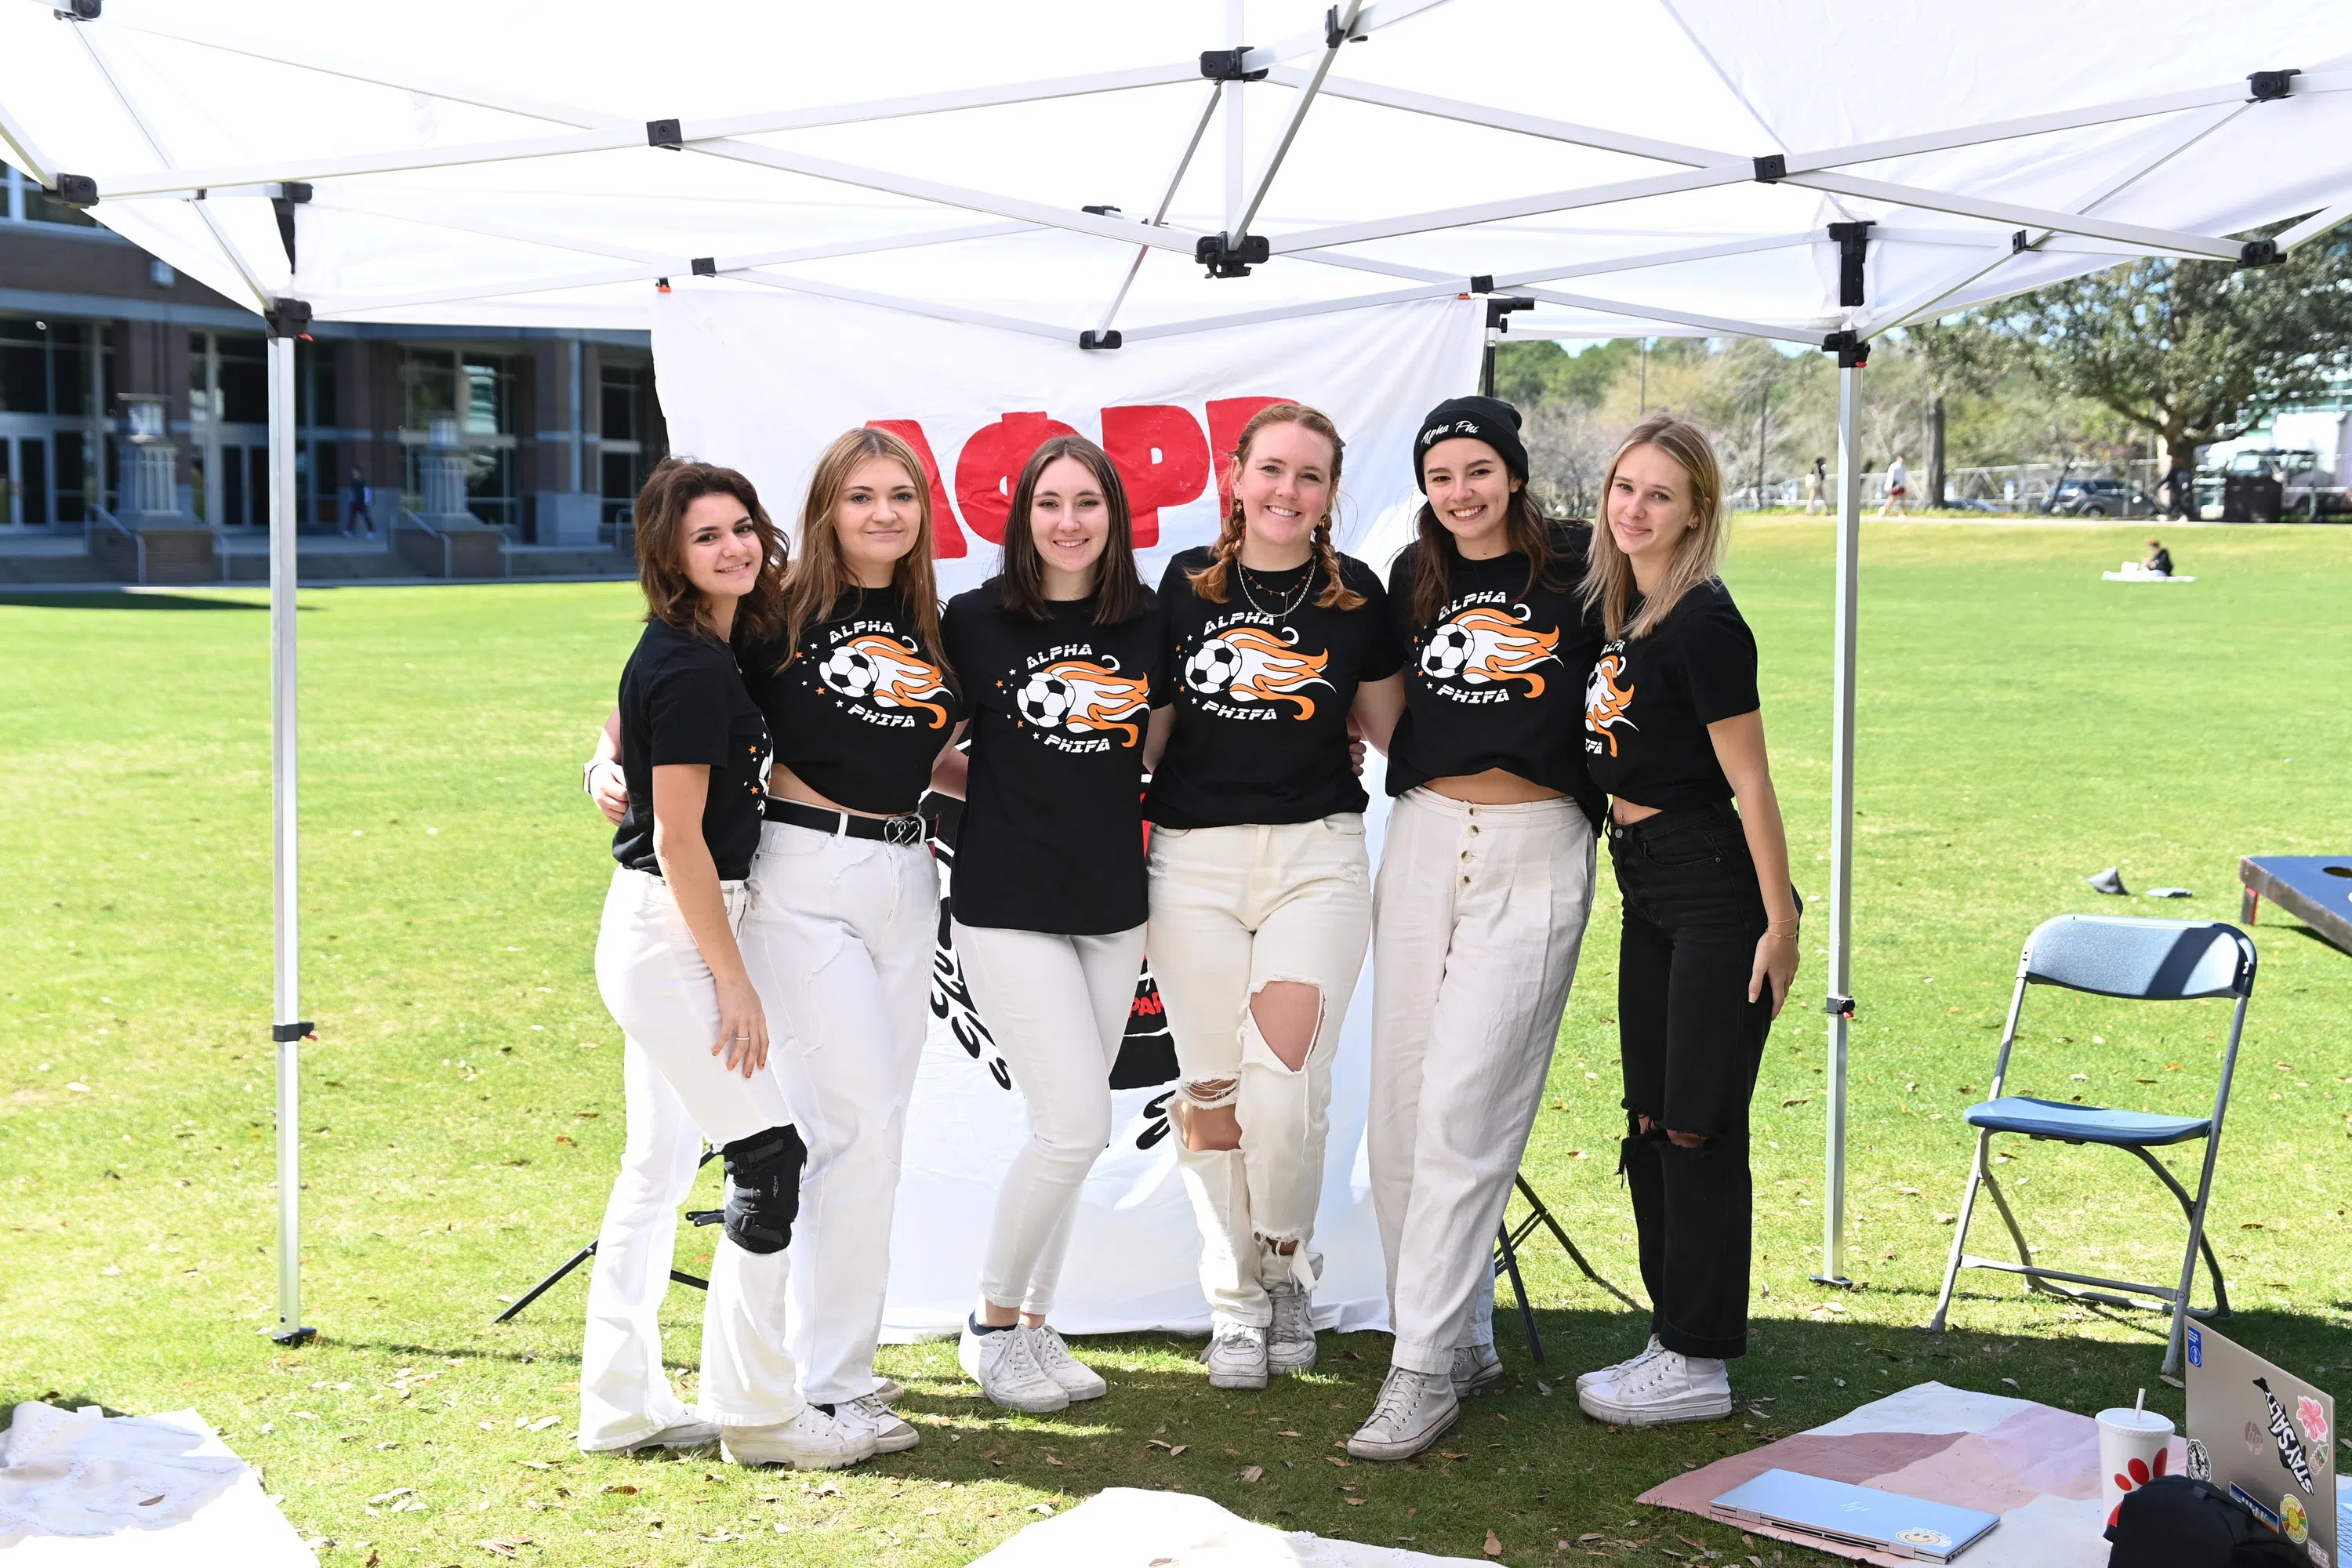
x,y
1674,733
1486,881
694,758
1261,888
1061,655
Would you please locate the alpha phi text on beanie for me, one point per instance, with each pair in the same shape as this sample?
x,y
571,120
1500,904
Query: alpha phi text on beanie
x,y
1487,419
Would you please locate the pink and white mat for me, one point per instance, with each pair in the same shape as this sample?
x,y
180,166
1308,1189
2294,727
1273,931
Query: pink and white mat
x,y
2036,1466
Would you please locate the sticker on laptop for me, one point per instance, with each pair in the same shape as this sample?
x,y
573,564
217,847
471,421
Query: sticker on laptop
x,y
2200,1463
1920,1537
2291,1456
2293,1522
2312,1416
2245,1499
2195,1348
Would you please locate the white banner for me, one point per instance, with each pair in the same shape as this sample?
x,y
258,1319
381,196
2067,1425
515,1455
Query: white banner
x,y
761,383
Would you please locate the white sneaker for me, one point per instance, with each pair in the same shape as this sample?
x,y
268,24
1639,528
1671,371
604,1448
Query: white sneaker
x,y
1474,1366
1236,1356
889,1390
1668,1387
1413,1408
1585,1380
1076,1379
691,1433
891,1433
1290,1341
809,1441
1004,1364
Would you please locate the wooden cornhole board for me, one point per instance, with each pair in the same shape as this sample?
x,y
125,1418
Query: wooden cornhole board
x,y
2314,888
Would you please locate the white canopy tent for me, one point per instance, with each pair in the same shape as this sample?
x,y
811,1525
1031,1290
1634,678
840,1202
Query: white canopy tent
x,y
1816,172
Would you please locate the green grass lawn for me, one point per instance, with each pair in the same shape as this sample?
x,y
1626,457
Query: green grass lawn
x,y
2022,725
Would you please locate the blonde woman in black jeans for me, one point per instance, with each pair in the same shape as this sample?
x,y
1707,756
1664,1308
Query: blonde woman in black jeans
x,y
1674,734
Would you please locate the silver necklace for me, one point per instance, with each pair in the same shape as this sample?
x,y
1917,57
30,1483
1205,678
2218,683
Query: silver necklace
x,y
1297,599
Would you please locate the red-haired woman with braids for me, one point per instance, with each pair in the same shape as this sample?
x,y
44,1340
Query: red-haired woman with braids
x,y
1261,890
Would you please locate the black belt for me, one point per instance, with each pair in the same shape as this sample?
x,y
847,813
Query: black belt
x,y
907,828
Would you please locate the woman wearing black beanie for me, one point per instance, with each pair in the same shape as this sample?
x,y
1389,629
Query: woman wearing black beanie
x,y
1484,884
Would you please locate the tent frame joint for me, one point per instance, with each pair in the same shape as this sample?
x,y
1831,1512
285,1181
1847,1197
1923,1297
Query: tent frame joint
x,y
1771,168
1224,258
2264,87
1231,65
1334,34
75,190
1852,350
1838,1006
284,1032
1109,338
289,319
2260,253
1499,308
669,133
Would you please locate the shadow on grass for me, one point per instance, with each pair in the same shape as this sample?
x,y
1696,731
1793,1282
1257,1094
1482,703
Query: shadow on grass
x,y
123,599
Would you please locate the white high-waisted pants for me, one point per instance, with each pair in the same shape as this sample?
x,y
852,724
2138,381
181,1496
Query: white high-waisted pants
x,y
841,934
625,1396
1233,910
661,992
1058,1007
1477,918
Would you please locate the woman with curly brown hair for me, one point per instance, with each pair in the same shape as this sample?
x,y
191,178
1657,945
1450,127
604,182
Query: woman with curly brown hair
x,y
694,756
1261,888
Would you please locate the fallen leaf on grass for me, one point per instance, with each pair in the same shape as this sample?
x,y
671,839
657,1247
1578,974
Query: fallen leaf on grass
x,y
1356,1501
1494,1544
1046,1509
625,1490
1286,1434
1443,1454
497,1547
542,1424
1335,1459
395,1492
1590,1535
2010,1381
1053,1461
535,1464
1253,1473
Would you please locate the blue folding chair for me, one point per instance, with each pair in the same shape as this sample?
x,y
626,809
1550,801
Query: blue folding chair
x,y
2143,961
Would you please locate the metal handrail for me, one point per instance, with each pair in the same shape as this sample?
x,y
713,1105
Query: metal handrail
x,y
404,515
137,543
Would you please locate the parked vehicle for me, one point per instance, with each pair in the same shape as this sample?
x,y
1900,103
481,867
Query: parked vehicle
x,y
2099,497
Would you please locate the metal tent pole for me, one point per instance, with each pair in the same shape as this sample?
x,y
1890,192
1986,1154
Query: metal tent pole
x,y
1841,977
287,1028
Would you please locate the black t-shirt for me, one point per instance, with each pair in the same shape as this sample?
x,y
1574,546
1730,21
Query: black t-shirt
x,y
683,701
1495,680
1650,699
1053,821
863,710
1262,694
2161,562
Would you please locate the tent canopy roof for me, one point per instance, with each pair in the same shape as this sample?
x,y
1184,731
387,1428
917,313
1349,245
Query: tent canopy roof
x,y
472,165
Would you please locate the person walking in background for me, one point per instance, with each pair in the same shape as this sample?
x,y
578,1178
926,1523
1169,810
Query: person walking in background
x,y
1898,489
1061,657
1261,888
359,512
1817,486
1673,731
1484,884
695,755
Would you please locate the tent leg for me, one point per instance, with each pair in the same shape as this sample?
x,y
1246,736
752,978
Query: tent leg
x,y
288,1029
1841,976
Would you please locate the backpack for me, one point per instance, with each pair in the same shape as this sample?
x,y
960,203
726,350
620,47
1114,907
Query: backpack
x,y
2175,1522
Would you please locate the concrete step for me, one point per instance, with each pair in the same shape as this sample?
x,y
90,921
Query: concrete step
x,y
37,569
555,561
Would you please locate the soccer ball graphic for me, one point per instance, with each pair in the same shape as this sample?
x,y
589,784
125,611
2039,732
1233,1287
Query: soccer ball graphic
x,y
1212,665
1045,700
850,672
1448,651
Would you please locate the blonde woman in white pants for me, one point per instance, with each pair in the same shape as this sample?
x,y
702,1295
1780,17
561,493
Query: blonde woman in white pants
x,y
1486,881
694,756
845,907
1261,889
1060,655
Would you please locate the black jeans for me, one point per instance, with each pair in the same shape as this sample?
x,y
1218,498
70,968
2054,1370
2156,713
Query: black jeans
x,y
1690,1043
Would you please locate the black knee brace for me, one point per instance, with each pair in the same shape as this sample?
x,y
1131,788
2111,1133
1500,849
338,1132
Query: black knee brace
x,y
763,1188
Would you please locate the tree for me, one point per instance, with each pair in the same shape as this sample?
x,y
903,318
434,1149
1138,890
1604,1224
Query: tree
x,y
2195,351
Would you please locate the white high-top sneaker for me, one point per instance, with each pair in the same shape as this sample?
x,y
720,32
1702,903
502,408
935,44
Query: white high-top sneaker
x,y
1474,1366
1668,1387
1236,1356
1616,1370
1413,1409
1075,1377
1290,1341
809,1441
1004,1363
891,1433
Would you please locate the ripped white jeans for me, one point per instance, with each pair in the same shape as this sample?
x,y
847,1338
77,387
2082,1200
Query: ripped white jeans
x,y
841,936
1232,910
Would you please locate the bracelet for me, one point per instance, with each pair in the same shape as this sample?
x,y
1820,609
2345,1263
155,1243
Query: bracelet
x,y
588,775
1774,928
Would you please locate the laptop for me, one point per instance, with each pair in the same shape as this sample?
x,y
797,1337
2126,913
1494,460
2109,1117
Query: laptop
x,y
2268,1438
1856,1516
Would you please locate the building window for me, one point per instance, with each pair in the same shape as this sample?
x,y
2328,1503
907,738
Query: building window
x,y
52,381
632,437
26,202
479,390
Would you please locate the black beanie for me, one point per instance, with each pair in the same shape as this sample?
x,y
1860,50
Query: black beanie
x,y
1487,419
